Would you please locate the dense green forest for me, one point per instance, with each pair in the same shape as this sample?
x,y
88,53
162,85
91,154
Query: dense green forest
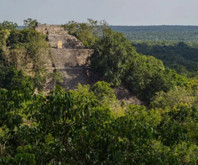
x,y
89,125
159,33
183,57
176,46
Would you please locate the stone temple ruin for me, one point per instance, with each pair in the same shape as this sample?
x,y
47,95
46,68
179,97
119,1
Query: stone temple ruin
x,y
69,55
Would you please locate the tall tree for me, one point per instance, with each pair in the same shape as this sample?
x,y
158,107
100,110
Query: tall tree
x,y
31,23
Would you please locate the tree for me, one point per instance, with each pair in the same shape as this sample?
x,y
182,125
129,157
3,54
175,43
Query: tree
x,y
8,25
102,89
4,34
140,75
11,79
87,33
29,52
31,23
112,56
173,97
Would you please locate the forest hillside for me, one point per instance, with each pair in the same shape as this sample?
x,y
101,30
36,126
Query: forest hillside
x,y
88,124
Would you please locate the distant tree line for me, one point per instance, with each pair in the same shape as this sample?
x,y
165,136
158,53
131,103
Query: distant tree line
x,y
159,33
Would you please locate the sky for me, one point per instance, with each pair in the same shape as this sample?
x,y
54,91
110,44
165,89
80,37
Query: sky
x,y
115,12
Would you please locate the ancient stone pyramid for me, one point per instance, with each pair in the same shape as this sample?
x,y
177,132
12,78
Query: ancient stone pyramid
x,y
70,59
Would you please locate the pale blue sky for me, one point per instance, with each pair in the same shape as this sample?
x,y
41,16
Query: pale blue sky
x,y
115,12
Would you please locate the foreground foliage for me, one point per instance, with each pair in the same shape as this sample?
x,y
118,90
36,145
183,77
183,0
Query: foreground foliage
x,y
77,128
